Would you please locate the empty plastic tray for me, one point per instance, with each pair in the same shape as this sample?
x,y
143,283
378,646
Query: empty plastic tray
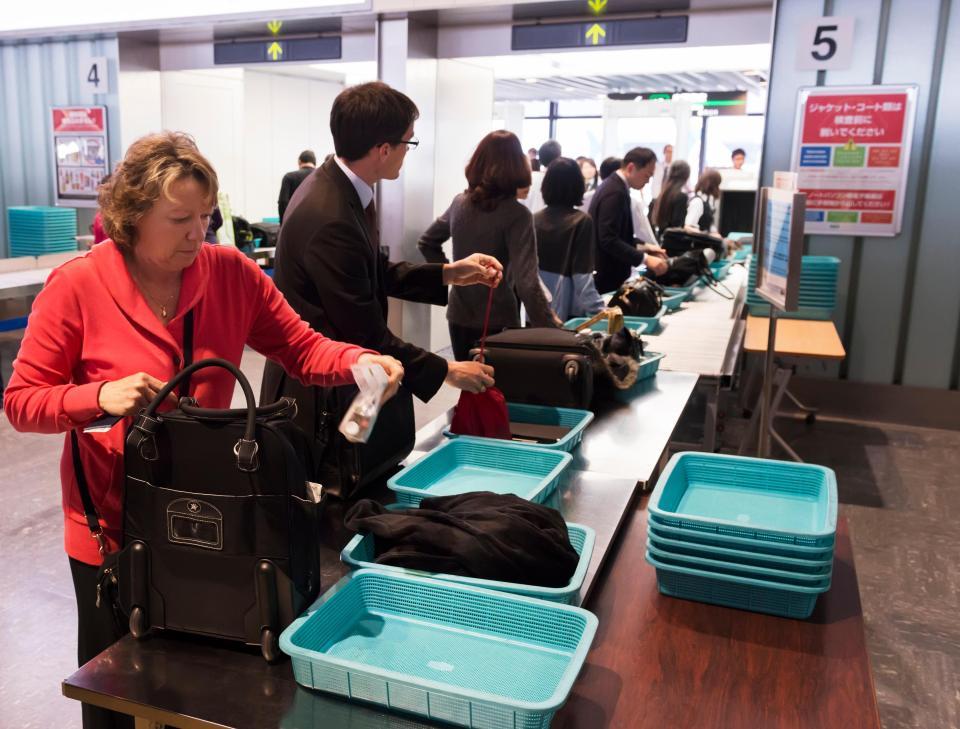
x,y
736,592
718,566
673,301
575,420
360,552
463,465
749,497
708,535
739,556
450,652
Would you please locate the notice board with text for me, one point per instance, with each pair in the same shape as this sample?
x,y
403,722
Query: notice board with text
x,y
851,152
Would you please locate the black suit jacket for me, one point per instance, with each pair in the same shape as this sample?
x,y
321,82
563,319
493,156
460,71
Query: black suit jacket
x,y
616,251
291,181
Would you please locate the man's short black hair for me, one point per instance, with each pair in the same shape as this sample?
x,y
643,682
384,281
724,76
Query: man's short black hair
x,y
563,183
549,151
737,151
368,115
307,157
639,156
609,166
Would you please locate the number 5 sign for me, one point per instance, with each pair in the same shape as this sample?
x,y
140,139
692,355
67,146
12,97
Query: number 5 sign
x,y
825,43
94,76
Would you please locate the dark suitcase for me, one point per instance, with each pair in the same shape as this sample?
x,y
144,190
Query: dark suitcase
x,y
221,530
543,366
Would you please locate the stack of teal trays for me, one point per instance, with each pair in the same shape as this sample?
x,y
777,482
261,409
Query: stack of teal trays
x,y
36,230
818,289
746,533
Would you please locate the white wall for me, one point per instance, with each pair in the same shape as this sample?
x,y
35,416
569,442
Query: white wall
x,y
283,115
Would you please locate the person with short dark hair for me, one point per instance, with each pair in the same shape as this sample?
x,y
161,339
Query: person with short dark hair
x,y
306,163
549,151
738,157
488,218
335,274
670,208
609,166
611,209
565,243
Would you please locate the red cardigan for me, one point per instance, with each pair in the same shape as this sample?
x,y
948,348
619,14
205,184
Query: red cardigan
x,y
91,325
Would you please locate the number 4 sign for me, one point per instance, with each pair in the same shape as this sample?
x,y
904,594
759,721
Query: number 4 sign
x,y
825,43
94,76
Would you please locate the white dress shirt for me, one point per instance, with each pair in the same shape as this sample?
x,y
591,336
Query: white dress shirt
x,y
363,189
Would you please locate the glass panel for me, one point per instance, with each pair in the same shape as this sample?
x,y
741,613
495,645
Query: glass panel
x,y
646,132
581,138
727,133
580,107
536,108
535,133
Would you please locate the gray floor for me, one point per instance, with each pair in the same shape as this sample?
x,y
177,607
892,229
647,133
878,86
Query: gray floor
x,y
898,486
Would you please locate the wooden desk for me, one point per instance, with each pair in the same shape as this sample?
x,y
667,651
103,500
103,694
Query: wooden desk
x,y
796,338
662,662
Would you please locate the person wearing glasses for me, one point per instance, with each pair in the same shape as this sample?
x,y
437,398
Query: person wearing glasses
x,y
332,270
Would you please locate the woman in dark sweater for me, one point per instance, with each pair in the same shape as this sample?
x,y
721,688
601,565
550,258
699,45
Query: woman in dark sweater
x,y
565,242
670,208
487,218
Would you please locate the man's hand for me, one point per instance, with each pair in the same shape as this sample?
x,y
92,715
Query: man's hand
x,y
652,249
656,265
392,367
469,376
127,396
478,268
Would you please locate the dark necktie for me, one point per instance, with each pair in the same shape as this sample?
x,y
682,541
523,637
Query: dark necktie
x,y
370,217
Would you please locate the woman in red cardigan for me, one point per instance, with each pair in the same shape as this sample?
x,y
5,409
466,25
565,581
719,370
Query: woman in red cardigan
x,y
106,333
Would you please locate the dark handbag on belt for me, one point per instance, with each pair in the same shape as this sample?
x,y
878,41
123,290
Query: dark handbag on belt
x,y
685,269
677,241
638,298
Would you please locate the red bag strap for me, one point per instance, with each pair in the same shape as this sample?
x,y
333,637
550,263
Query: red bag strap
x,y
486,322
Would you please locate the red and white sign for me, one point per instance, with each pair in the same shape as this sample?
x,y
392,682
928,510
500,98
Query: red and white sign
x,y
851,153
87,119
79,137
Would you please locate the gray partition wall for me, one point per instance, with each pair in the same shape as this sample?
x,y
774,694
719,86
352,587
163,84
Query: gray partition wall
x,y
899,304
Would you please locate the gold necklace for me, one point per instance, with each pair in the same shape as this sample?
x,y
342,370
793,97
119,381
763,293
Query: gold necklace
x,y
161,304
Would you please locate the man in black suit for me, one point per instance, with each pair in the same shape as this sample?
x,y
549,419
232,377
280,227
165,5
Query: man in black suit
x,y
331,269
307,162
617,250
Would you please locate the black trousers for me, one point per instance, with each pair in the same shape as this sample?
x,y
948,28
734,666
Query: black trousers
x,y
462,340
97,630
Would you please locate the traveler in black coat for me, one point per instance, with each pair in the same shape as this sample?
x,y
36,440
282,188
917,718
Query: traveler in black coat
x,y
617,249
307,162
670,208
331,268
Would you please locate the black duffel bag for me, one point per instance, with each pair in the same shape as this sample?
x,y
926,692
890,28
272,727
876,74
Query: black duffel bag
x,y
677,241
220,523
638,298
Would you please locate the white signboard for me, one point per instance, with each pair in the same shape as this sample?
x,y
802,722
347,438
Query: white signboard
x,y
779,246
94,76
851,151
825,44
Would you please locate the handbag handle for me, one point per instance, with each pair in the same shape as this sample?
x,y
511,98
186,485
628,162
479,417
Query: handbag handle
x,y
189,406
148,422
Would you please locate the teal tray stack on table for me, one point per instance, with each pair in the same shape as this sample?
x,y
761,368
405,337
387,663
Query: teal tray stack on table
x,y
818,289
745,533
37,231
574,422
450,652
464,465
360,553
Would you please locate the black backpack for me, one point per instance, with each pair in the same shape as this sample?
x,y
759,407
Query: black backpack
x,y
638,298
220,524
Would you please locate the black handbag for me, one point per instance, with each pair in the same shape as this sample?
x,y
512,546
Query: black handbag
x,y
638,298
677,241
221,533
685,269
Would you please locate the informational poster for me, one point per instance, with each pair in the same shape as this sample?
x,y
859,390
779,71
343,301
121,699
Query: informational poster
x,y
80,153
779,246
851,152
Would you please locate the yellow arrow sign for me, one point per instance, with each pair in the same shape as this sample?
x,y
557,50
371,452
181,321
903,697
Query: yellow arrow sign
x,y
275,51
597,6
595,33
274,25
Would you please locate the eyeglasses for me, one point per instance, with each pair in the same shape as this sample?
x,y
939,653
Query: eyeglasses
x,y
412,142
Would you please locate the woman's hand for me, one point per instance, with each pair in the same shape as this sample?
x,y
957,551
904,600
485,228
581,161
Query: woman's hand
x,y
478,268
392,367
127,396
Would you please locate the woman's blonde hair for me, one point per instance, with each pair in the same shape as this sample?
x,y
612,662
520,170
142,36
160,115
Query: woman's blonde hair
x,y
151,165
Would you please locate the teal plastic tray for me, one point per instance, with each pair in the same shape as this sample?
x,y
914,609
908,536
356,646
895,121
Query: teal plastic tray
x,y
463,465
575,420
749,497
688,290
360,553
699,539
752,595
673,301
723,567
639,324
454,653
